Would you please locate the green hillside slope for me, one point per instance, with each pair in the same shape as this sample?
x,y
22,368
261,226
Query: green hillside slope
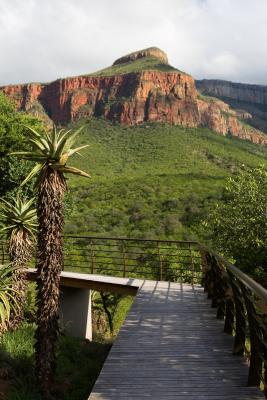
x,y
152,181
142,64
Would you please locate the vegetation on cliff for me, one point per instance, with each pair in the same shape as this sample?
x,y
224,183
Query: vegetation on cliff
x,y
141,64
153,180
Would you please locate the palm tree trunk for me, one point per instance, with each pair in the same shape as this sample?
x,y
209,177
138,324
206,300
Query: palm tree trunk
x,y
49,265
20,250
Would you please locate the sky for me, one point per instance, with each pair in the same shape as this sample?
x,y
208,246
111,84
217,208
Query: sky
x,y
42,40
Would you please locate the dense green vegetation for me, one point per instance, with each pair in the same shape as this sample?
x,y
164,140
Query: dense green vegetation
x,y
141,64
152,180
79,361
239,225
12,137
79,364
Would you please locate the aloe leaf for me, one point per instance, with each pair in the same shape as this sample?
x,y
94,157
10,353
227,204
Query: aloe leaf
x,y
34,171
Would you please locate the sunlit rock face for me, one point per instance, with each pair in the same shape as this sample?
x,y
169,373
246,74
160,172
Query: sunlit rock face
x,y
132,98
251,99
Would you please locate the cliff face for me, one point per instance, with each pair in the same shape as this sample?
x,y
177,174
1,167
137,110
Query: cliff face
x,y
255,94
251,98
131,98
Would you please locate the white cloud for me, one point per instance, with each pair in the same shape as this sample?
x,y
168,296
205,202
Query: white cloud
x,y
221,65
44,40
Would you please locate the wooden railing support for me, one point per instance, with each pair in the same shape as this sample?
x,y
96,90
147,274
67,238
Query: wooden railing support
x,y
229,314
255,336
243,304
240,319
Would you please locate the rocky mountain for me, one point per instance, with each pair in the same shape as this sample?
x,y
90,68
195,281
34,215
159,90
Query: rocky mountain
x,y
138,87
250,98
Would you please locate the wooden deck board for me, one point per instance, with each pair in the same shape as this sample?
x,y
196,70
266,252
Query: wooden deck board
x,y
171,346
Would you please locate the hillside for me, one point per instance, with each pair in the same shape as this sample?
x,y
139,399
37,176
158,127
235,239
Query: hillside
x,y
154,180
138,88
240,96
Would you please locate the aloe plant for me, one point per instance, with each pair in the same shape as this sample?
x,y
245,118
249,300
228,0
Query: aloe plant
x,y
8,303
51,153
19,219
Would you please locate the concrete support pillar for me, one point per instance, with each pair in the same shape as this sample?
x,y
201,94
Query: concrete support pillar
x,y
75,312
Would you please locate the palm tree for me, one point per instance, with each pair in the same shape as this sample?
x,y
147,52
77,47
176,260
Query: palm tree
x,y
19,219
8,303
51,152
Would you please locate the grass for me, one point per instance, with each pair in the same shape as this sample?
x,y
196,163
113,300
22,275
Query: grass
x,y
139,65
79,364
152,180
79,361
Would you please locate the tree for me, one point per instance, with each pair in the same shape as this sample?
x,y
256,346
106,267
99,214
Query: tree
x,y
239,222
51,152
19,219
13,136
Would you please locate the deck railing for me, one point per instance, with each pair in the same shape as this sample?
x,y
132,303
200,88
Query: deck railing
x,y
177,261
240,301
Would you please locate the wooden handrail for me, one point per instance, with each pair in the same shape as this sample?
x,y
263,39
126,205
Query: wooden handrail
x,y
254,286
242,303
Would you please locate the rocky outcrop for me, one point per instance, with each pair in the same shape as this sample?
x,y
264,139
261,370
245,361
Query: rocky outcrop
x,y
150,52
218,116
255,94
132,98
128,98
250,98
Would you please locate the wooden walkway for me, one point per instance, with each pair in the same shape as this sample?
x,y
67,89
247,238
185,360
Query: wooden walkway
x,y
172,347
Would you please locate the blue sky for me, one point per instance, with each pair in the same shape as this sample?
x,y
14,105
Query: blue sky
x,y
45,40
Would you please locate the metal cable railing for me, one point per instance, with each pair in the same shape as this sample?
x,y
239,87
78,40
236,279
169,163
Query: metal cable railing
x,y
150,259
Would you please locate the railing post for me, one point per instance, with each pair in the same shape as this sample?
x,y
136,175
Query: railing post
x,y
160,263
229,312
92,257
124,259
256,348
207,274
220,287
240,318
216,283
192,263
205,267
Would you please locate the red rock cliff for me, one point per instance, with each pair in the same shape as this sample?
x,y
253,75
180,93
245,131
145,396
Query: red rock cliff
x,y
132,98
